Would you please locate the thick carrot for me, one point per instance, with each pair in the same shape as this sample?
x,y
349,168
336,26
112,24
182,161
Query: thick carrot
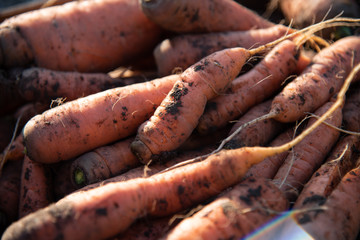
x,y
102,163
309,154
269,167
180,52
35,187
40,84
351,109
251,88
318,82
258,134
341,207
96,211
327,177
85,36
235,214
81,125
206,16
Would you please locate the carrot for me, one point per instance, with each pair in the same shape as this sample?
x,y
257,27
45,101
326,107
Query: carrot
x,y
235,214
84,36
305,13
102,163
9,193
81,125
258,134
29,110
269,166
327,177
97,210
35,188
14,151
193,16
351,109
61,179
181,51
39,84
251,88
341,207
308,155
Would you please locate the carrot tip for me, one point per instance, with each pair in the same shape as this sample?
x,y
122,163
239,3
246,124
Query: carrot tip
x,y
79,177
141,151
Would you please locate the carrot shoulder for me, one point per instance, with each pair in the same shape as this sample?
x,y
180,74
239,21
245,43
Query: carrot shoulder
x,y
86,123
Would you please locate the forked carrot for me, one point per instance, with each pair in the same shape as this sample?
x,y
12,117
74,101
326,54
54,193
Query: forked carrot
x,y
94,214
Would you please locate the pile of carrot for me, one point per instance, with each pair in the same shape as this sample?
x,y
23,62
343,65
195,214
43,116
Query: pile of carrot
x,y
161,119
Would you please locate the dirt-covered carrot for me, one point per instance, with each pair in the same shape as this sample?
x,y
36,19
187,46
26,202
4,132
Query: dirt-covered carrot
x,y
182,51
351,109
9,193
309,154
81,125
251,88
341,207
102,163
235,214
35,187
269,167
206,16
258,134
327,177
85,36
40,84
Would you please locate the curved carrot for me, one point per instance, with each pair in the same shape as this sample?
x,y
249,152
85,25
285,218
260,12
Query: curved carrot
x,y
309,154
205,16
84,36
234,214
102,163
81,125
251,88
35,187
184,50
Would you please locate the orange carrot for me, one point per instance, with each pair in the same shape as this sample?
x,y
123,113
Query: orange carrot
x,y
103,163
180,52
308,155
341,207
40,84
251,88
351,109
327,177
81,125
235,214
194,16
84,36
35,187
258,134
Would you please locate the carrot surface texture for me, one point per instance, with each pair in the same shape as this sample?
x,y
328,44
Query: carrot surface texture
x,y
185,16
81,125
84,36
102,212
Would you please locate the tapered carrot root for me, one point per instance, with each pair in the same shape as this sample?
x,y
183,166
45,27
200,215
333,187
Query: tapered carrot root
x,y
318,82
40,84
194,16
341,207
237,213
251,88
178,114
184,50
327,177
309,154
84,36
35,187
269,166
81,125
103,163
258,134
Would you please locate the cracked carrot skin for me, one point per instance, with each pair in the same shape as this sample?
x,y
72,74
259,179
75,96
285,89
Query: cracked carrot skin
x,y
81,125
251,88
318,82
178,114
84,36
